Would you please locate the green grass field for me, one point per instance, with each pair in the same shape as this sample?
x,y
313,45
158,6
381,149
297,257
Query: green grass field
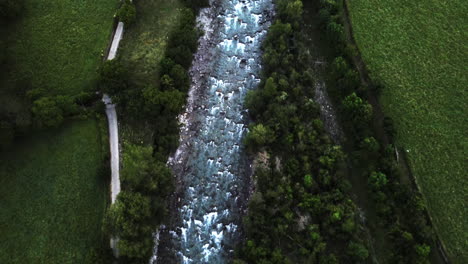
x,y
53,194
57,44
53,190
144,43
417,49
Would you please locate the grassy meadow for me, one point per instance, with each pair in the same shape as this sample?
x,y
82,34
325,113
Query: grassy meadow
x,y
417,50
144,42
53,188
53,194
141,49
57,44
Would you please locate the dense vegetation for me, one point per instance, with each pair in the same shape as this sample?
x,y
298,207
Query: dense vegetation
x,y
152,104
301,211
417,50
400,208
53,195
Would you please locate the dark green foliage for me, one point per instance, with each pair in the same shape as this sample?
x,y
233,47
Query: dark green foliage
x,y
358,251
140,207
127,13
143,173
373,153
196,4
357,113
299,212
146,181
259,136
112,77
130,218
50,111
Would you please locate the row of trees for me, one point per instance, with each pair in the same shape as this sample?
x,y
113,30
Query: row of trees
x,y
146,181
402,211
31,107
301,211
141,205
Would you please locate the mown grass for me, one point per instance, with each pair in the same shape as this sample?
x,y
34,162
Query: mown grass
x,y
57,44
53,193
144,42
417,49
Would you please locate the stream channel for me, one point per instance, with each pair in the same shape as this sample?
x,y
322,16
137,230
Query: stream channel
x,y
211,170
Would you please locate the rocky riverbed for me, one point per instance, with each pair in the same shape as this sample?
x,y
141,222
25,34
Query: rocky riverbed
x,y
211,168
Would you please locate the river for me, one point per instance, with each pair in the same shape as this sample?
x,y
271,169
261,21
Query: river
x,y
211,168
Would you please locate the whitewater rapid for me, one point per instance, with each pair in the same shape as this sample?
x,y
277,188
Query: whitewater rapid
x,y
211,169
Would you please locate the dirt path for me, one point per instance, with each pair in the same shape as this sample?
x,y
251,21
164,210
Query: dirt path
x,y
114,132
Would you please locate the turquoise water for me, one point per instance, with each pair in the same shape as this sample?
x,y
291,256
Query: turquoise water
x,y
210,164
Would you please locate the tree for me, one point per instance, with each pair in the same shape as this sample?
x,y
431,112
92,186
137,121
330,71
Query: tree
x,y
308,181
140,171
357,111
166,82
377,180
422,250
126,215
358,251
180,77
290,11
47,112
259,136
112,77
370,144
127,13
130,218
181,55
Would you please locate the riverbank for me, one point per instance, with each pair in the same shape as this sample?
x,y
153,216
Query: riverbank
x,y
374,159
147,79
439,251
301,211
210,164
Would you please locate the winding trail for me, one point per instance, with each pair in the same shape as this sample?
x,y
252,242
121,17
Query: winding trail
x,y
114,146
114,132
